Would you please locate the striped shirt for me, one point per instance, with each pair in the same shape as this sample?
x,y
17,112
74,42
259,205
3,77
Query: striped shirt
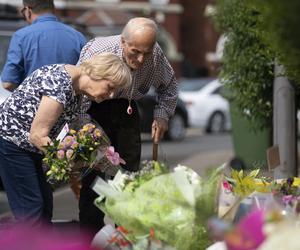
x,y
156,71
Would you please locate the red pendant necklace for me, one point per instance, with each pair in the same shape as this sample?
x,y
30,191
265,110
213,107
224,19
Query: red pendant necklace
x,y
129,108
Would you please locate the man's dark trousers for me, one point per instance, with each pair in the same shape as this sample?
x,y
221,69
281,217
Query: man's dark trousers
x,y
124,132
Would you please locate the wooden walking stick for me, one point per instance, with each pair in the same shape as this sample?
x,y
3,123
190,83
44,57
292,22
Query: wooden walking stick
x,y
154,151
154,145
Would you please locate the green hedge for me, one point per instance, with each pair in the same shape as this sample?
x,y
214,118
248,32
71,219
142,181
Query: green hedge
x,y
281,23
247,60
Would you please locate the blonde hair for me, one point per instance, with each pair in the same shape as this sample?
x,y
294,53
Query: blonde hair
x,y
107,66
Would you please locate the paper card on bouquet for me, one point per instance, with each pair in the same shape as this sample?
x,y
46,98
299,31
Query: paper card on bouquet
x,y
273,157
62,134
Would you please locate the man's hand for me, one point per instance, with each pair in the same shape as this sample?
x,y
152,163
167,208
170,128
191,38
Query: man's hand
x,y
159,127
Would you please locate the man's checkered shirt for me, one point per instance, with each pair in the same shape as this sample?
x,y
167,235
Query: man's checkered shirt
x,y
155,71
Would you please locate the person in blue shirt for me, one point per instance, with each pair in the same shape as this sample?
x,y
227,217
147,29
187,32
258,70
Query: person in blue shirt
x,y
45,41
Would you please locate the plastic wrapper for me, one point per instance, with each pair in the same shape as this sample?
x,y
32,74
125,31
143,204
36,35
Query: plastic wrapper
x,y
176,205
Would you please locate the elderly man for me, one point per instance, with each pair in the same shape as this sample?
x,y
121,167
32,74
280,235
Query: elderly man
x,y
119,116
45,41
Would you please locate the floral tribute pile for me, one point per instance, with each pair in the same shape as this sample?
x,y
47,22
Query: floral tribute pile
x,y
88,148
171,207
159,208
263,215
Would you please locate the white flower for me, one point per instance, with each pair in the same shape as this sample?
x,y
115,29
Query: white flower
x,y
192,176
119,181
180,167
285,236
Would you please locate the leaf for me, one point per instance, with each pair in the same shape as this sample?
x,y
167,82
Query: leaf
x,y
254,173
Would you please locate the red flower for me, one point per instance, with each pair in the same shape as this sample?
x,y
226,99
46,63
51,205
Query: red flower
x,y
152,233
122,230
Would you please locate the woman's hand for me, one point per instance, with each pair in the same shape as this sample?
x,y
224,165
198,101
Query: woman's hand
x,y
46,116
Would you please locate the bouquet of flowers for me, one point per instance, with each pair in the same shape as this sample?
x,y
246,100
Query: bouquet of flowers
x,y
285,192
243,184
88,148
175,204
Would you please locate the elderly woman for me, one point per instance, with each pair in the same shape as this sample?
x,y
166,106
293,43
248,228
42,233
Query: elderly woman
x,y
35,112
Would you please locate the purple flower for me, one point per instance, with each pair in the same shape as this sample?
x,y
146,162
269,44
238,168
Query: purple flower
x,y
287,199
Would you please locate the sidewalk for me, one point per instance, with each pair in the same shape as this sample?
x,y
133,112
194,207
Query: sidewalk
x,y
210,159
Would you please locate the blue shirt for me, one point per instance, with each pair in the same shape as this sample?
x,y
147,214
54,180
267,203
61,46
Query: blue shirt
x,y
45,41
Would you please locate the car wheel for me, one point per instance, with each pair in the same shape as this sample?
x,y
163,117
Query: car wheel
x,y
1,185
177,129
216,123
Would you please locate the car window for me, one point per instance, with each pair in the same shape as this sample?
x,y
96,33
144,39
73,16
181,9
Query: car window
x,y
193,84
218,91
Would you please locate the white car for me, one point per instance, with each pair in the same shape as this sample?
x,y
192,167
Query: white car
x,y
207,108
3,93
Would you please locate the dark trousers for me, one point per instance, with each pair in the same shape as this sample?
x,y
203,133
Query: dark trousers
x,y
124,132
29,194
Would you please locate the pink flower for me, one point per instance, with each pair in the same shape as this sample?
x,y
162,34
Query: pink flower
x,y
248,234
69,153
69,141
74,145
113,156
42,238
60,154
227,186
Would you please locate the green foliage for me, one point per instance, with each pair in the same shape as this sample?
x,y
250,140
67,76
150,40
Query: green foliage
x,y
247,61
281,23
57,167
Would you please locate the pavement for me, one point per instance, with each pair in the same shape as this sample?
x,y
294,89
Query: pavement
x,y
203,161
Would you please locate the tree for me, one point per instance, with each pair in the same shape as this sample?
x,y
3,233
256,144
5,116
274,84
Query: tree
x,y
247,60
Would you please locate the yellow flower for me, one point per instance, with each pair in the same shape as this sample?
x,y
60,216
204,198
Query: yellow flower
x,y
262,186
89,127
296,181
97,133
72,131
85,129
244,185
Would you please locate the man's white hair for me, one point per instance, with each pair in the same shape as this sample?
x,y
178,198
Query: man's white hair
x,y
138,24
